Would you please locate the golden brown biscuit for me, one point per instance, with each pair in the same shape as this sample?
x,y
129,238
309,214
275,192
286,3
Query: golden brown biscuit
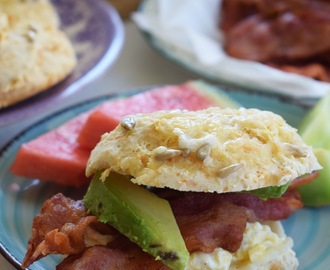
x,y
34,53
221,150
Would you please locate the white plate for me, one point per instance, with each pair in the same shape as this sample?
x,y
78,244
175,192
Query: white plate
x,y
188,34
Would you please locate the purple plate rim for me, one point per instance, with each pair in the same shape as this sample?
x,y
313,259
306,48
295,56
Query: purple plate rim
x,y
69,86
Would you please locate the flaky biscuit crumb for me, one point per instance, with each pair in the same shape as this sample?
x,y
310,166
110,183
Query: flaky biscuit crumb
x,y
212,150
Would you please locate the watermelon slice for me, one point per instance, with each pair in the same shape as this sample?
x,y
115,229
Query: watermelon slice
x,y
55,156
193,95
61,155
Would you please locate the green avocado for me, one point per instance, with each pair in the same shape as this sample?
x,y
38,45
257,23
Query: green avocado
x,y
142,216
317,192
315,131
315,126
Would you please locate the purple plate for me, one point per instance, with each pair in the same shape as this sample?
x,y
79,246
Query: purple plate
x,y
97,33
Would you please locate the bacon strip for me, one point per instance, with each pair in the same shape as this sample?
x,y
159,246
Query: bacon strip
x,y
99,257
221,226
287,34
61,228
206,221
303,180
256,209
317,71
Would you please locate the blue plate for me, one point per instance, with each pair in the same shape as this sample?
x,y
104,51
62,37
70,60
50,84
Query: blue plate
x,y
97,34
21,198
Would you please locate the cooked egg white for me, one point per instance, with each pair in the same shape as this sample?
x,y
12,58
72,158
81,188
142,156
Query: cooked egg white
x,y
262,246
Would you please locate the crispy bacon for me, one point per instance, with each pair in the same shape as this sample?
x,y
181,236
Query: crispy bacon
x,y
317,71
126,255
271,209
287,34
62,227
209,220
97,257
281,38
206,221
221,226
303,180
192,203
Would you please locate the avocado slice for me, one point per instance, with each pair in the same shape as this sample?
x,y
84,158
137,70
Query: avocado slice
x,y
314,127
315,131
317,192
139,214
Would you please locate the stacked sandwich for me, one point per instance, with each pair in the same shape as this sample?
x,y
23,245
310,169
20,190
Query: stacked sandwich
x,y
182,190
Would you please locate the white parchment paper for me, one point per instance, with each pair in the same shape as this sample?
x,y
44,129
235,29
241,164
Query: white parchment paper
x,y
187,31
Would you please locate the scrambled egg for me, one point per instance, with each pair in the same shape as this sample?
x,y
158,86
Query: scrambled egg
x,y
262,245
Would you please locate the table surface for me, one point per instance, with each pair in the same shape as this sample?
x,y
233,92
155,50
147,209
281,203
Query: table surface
x,y
138,65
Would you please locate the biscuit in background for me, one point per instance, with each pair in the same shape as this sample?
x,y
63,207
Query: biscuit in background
x,y
34,53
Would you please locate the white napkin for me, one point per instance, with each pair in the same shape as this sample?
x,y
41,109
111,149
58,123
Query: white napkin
x,y
187,31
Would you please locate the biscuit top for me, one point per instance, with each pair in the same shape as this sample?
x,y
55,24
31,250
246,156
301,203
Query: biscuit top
x,y
212,150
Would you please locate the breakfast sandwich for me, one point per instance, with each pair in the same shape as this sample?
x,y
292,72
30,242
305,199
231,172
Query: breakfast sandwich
x,y
182,190
34,53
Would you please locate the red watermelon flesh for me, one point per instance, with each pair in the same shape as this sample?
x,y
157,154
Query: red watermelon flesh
x,y
108,115
55,156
